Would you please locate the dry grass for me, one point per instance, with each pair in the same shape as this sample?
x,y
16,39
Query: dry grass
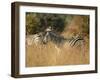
x,y
47,55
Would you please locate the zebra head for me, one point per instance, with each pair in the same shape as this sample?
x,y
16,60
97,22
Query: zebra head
x,y
53,37
46,37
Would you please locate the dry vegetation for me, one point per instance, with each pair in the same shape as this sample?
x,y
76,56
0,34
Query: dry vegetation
x,y
47,55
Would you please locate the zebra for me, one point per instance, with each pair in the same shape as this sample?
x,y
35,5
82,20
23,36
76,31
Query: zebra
x,y
36,39
59,41
76,39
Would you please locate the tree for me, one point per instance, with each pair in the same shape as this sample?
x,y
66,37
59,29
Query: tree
x,y
38,22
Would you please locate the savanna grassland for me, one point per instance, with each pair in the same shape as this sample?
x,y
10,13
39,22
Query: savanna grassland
x,y
47,55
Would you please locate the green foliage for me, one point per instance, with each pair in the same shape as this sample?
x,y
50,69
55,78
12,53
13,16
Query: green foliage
x,y
32,23
36,22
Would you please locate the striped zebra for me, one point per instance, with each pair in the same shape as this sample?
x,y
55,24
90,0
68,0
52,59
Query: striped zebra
x,y
59,41
34,39
76,41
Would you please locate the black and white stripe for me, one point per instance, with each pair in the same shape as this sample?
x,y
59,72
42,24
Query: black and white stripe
x,y
60,40
34,39
76,41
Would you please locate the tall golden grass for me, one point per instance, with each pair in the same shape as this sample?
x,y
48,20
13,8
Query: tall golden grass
x,y
47,55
